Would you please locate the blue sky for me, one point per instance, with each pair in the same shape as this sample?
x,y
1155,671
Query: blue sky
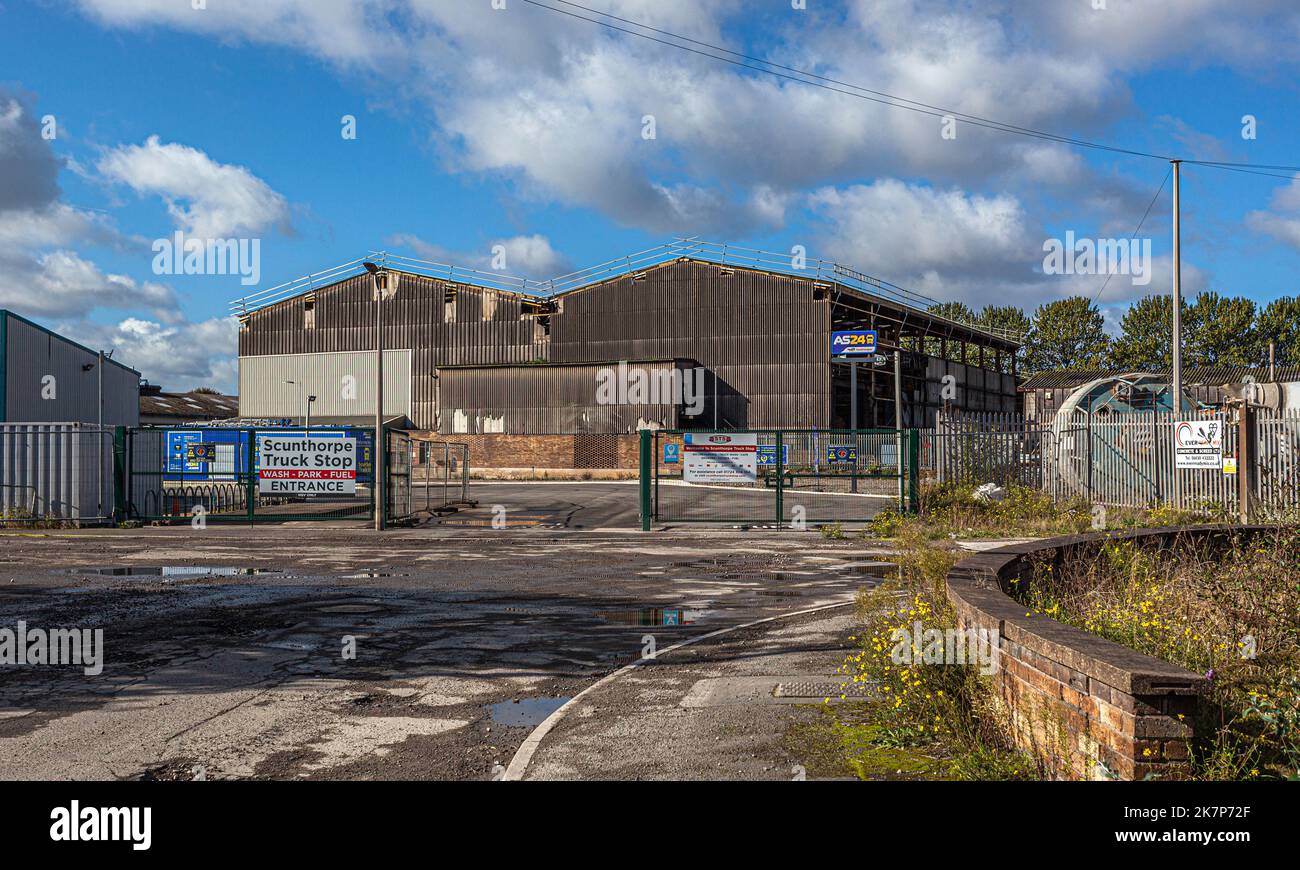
x,y
523,127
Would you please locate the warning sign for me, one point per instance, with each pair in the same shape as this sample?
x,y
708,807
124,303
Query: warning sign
x,y
301,465
1198,444
720,457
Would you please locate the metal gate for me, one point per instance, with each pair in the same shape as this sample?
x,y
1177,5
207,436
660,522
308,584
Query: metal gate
x,y
217,472
800,477
397,462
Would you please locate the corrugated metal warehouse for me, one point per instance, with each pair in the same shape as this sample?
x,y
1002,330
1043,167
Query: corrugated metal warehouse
x,y
47,378
476,352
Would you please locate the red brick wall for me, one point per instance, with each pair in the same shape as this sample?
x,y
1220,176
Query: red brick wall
x,y
1077,701
545,451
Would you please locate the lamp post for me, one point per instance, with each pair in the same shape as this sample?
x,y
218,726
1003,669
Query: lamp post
x,y
380,447
306,425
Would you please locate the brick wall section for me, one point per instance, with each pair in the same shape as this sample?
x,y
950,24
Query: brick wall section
x,y
1076,699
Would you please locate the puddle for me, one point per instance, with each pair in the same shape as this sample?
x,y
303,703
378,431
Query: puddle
x,y
350,608
171,571
654,616
525,712
370,575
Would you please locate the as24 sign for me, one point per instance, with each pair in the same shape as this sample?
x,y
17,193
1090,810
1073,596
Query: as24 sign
x,y
853,342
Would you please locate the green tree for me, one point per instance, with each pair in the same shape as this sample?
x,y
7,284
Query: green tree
x,y
1279,323
958,311
1145,333
1067,334
1220,330
1007,319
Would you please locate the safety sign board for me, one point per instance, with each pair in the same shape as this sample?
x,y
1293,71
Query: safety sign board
x,y
720,457
671,453
301,465
767,454
838,453
1198,444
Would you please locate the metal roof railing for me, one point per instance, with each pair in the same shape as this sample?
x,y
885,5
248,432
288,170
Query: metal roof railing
x,y
679,248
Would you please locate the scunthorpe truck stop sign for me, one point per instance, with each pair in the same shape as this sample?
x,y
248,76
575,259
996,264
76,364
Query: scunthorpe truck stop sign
x,y
302,465
720,457
860,342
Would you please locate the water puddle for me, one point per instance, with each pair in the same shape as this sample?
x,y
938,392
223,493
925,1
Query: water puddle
x,y
524,712
370,575
173,571
654,616
350,608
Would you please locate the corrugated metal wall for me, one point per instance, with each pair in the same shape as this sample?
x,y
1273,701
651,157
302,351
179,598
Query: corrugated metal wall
x,y
32,354
528,400
764,335
56,471
342,382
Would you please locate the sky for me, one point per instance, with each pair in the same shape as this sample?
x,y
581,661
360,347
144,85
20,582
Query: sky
x,y
441,129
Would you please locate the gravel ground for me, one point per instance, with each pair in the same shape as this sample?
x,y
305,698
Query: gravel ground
x,y
244,676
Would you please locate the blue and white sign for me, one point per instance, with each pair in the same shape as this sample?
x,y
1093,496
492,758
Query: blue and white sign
x,y
672,453
853,343
767,454
841,453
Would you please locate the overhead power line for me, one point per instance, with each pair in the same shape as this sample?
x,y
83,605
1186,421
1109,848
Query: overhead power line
x,y
805,77
1134,235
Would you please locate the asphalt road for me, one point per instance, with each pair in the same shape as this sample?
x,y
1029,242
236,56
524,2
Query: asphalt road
x,y
246,675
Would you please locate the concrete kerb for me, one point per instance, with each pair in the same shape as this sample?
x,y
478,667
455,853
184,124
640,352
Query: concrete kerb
x,y
524,755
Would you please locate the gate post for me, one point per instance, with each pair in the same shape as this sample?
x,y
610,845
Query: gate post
x,y
121,475
645,480
913,471
250,467
780,479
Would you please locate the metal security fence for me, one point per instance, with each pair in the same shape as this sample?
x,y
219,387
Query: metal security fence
x,y
439,475
800,477
1124,459
56,472
176,474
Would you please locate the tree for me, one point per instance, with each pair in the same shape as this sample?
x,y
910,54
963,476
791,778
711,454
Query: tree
x,y
958,311
1007,319
1220,330
1279,323
1145,335
1067,334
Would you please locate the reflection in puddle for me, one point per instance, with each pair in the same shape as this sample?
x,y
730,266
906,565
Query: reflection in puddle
x,y
654,616
370,575
525,712
171,571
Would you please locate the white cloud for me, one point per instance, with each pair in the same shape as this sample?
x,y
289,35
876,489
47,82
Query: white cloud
x,y
1282,220
526,256
178,356
207,199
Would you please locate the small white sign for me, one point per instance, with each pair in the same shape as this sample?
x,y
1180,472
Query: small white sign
x,y
720,457
1198,444
301,465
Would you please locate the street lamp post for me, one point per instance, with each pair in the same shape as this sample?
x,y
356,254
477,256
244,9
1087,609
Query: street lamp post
x,y
380,447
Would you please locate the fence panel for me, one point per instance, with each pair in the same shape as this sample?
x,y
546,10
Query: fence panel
x,y
56,472
440,475
1277,441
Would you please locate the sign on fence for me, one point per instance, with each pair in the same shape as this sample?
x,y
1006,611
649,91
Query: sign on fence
x,y
767,455
1198,444
718,457
299,465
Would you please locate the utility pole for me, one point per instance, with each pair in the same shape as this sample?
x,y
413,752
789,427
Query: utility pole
x,y
1176,348
380,445
898,420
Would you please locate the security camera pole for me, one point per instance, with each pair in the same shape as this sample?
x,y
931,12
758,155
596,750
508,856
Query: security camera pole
x,y
379,447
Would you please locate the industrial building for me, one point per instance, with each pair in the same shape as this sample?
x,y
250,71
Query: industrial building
x,y
473,353
48,378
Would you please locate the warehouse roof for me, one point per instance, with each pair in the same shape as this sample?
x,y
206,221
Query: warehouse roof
x,y
1215,375
845,278
197,404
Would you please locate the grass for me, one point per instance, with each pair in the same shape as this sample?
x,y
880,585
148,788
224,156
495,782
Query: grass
x,y
1232,615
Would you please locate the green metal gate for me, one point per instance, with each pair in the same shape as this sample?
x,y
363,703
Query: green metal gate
x,y
169,475
799,477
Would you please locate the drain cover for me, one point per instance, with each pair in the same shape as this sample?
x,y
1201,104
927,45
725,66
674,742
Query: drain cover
x,y
821,689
